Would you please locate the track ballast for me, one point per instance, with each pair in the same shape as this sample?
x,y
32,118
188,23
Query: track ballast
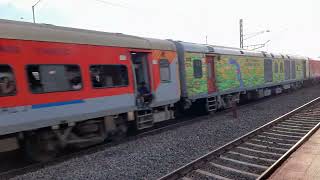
x,y
257,154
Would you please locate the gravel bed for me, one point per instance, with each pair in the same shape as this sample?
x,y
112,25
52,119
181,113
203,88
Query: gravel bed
x,y
154,156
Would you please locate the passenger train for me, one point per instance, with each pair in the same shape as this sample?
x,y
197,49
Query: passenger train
x,y
62,87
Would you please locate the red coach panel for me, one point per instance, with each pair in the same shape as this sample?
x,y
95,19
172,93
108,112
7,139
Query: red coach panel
x,y
24,53
314,66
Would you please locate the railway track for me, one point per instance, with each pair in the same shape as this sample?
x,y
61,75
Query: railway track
x,y
257,154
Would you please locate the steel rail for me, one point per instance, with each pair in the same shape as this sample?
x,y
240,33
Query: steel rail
x,y
196,164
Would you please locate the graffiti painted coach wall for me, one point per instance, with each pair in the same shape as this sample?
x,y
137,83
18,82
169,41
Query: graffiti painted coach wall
x,y
196,74
234,72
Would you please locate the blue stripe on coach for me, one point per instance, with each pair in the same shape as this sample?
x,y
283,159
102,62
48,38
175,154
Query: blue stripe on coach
x,y
38,106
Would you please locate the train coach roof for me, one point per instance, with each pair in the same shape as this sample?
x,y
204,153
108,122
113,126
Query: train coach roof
x,y
193,47
51,33
235,51
279,56
297,57
201,48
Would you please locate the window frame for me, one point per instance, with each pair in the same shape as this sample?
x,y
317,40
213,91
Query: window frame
x,y
196,76
168,67
92,85
28,78
14,78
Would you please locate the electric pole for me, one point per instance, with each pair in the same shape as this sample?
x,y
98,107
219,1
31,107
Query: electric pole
x,y
244,37
241,33
33,16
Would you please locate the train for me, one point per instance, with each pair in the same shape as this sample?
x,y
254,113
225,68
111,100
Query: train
x,y
65,87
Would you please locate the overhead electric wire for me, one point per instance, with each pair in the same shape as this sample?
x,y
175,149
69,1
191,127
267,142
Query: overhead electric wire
x,y
111,3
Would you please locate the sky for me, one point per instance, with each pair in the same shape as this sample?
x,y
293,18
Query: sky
x,y
294,25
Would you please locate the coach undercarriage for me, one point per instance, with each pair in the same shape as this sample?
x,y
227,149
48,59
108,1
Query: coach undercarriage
x,y
44,144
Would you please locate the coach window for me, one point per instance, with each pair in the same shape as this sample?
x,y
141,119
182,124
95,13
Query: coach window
x,y
276,68
164,70
197,68
54,78
7,81
108,76
281,67
287,69
293,69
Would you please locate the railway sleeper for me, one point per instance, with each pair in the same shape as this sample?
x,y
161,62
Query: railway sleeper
x,y
271,147
200,174
303,121
257,153
304,115
255,165
293,126
304,124
249,158
272,143
241,165
291,129
228,172
296,134
296,126
283,136
278,139
307,115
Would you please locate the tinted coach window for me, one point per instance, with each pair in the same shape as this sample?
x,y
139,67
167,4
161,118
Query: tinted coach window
x,y
197,68
7,81
54,78
164,70
108,76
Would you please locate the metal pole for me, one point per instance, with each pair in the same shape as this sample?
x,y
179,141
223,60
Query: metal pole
x,y
34,20
241,33
33,15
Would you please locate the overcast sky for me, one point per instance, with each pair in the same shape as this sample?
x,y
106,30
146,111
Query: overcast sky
x,y
294,24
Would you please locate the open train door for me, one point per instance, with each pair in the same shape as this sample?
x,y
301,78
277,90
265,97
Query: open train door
x,y
142,76
211,74
144,97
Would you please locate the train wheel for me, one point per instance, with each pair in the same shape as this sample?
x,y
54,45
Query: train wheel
x,y
200,107
122,130
39,148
